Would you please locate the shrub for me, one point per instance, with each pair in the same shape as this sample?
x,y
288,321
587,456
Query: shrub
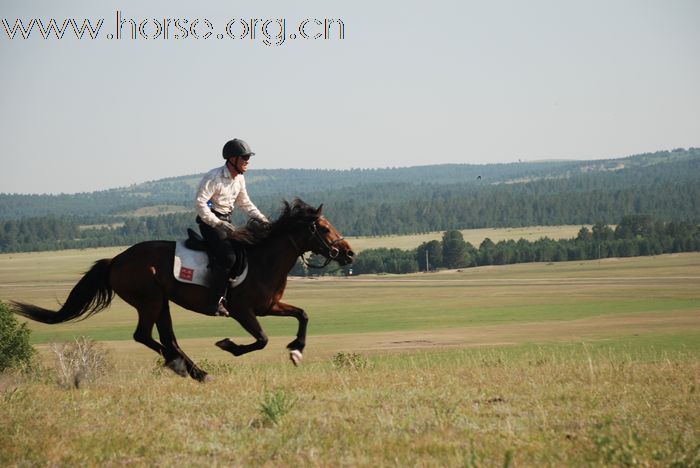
x,y
216,367
15,350
275,405
83,360
349,361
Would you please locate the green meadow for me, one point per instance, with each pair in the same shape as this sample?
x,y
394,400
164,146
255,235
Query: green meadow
x,y
526,293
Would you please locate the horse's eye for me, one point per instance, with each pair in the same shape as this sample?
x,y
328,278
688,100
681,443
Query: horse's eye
x,y
324,230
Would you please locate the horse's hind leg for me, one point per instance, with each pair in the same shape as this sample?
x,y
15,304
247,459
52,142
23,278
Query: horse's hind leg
x,y
148,315
144,332
143,295
181,361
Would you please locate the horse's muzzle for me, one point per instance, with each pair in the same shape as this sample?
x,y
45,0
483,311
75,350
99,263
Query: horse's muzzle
x,y
345,256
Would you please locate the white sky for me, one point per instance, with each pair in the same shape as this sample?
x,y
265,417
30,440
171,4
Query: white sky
x,y
412,83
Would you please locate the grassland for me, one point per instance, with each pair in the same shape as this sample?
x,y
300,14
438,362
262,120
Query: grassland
x,y
578,363
473,236
552,405
487,296
155,210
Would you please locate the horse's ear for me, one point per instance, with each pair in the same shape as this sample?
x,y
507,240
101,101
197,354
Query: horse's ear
x,y
320,208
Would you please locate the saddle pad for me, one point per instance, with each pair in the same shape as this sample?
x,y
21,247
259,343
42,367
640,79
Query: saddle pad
x,y
190,266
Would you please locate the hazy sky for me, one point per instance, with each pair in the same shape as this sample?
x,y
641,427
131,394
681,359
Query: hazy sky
x,y
411,83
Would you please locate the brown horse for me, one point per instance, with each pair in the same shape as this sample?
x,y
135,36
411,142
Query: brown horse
x,y
143,276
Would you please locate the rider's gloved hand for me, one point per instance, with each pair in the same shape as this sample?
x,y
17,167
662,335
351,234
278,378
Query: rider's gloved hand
x,y
225,230
264,224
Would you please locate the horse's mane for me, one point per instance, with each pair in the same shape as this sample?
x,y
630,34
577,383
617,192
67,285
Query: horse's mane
x,y
291,217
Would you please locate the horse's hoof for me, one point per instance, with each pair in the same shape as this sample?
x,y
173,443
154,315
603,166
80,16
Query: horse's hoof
x,y
230,346
178,366
295,356
224,344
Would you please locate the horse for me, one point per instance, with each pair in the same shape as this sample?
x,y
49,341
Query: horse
x,y
143,277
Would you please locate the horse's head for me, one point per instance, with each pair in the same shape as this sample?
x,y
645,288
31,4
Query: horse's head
x,y
309,230
327,241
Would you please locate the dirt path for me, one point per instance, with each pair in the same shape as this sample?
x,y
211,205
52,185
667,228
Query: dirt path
x,y
570,330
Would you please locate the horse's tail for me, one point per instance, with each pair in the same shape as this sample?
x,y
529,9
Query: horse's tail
x,y
92,294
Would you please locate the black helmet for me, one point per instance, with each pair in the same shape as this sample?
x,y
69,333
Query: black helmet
x,y
235,148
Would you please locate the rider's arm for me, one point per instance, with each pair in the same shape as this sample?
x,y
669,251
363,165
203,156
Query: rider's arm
x,y
204,194
244,203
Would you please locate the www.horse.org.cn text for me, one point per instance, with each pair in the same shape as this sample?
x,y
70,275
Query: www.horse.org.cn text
x,y
267,31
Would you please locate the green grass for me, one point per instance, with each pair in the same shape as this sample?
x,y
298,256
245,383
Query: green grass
x,y
394,308
648,347
475,297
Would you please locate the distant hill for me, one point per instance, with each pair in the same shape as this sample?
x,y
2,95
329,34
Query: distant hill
x,y
665,185
288,183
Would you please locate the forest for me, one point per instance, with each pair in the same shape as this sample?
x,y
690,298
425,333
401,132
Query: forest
x,y
366,202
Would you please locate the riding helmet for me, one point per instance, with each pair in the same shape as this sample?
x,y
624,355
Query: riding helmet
x,y
235,148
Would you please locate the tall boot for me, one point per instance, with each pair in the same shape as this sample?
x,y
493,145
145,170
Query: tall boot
x,y
216,301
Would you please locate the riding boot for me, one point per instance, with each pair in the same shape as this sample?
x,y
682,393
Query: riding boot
x,y
216,302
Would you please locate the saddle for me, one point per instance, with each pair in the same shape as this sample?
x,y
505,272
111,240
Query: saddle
x,y
195,241
191,263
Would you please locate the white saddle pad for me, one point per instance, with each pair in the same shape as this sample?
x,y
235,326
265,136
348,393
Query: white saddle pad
x,y
190,266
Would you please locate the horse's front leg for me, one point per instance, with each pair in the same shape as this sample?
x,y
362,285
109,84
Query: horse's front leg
x,y
297,346
249,321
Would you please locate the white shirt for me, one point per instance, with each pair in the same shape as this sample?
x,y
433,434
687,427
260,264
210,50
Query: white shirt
x,y
223,191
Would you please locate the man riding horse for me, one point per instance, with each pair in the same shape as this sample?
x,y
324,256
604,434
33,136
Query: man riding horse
x,y
218,192
144,277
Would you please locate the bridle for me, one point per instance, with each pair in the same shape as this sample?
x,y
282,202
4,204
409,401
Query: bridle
x,y
331,253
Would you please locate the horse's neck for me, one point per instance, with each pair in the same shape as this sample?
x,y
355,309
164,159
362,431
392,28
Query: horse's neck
x,y
277,255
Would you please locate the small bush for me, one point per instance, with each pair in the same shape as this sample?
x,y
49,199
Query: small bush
x,y
616,446
15,350
275,405
83,360
350,361
158,367
216,367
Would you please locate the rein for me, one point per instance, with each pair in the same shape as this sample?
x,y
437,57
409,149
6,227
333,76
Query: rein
x,y
332,252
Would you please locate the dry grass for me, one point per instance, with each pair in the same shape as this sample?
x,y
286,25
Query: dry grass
x,y
473,236
155,210
570,405
82,360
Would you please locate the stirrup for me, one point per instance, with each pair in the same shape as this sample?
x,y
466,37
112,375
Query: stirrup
x,y
221,310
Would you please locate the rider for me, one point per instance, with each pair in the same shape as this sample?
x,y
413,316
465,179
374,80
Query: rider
x,y
218,191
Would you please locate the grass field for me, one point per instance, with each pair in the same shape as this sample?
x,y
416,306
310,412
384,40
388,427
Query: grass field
x,y
155,210
578,363
473,236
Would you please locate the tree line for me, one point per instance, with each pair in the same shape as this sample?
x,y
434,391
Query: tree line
x,y
268,186
437,210
51,233
633,236
664,185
